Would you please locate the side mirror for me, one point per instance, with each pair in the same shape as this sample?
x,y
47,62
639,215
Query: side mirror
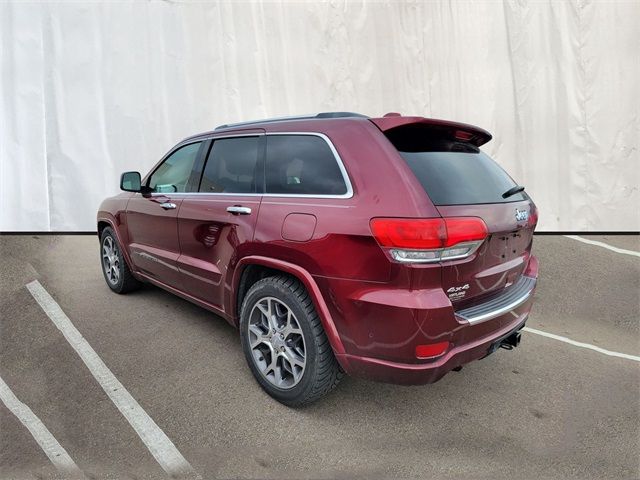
x,y
130,182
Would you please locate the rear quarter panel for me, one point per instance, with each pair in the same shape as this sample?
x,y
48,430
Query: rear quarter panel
x,y
341,254
341,245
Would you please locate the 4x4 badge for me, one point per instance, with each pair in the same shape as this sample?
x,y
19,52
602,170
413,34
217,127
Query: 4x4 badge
x,y
522,215
457,289
456,293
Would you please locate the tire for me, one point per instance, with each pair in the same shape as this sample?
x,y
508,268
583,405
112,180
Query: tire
x,y
114,267
303,337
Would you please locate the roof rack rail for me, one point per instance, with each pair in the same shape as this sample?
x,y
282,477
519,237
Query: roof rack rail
x,y
297,117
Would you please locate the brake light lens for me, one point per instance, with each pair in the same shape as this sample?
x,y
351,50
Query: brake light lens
x,y
533,217
464,229
462,135
430,239
409,233
432,350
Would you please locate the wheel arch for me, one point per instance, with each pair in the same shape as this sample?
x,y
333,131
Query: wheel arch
x,y
104,222
253,268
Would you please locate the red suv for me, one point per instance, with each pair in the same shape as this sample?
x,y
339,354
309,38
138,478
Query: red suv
x,y
388,248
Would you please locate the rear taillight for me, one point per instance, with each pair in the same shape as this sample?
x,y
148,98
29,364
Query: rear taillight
x,y
532,221
430,239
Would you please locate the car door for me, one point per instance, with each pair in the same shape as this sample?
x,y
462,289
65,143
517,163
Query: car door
x,y
216,224
152,216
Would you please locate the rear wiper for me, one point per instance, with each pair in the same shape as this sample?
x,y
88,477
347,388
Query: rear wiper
x,y
513,191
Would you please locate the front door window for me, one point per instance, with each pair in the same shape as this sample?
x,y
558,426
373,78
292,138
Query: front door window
x,y
172,176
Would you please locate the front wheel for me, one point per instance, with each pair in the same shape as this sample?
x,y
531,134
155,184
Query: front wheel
x,y
284,342
114,267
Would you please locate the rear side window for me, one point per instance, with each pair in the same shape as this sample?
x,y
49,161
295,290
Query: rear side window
x,y
231,166
461,177
302,165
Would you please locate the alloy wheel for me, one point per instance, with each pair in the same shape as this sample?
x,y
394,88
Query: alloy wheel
x,y
110,260
277,343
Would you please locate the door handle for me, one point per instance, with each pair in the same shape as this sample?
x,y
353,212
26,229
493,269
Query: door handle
x,y
168,205
239,210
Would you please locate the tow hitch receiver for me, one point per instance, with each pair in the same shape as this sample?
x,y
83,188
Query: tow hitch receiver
x,y
508,342
512,341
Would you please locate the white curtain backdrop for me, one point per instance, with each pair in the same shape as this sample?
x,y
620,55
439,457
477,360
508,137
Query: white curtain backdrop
x,y
90,89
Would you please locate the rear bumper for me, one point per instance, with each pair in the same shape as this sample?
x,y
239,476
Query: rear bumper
x,y
472,341
419,374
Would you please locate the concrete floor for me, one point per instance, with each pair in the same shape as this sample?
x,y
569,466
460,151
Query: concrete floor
x,y
545,410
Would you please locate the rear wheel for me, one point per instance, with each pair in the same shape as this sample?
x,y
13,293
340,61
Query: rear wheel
x,y
284,342
114,268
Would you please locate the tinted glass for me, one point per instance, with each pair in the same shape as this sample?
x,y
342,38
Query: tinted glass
x,y
302,165
173,174
460,178
231,166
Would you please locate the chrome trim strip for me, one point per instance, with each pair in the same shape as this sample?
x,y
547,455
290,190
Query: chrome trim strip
x,y
239,210
336,155
515,296
474,247
187,194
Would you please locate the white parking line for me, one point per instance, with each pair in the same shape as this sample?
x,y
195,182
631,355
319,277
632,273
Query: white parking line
x,y
160,446
582,345
50,446
604,245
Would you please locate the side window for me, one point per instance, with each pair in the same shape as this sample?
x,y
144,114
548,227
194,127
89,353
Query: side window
x,y
173,174
302,165
231,166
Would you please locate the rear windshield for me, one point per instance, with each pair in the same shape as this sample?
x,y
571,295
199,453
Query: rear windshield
x,y
461,178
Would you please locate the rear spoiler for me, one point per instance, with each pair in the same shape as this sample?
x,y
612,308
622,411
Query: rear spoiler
x,y
392,124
